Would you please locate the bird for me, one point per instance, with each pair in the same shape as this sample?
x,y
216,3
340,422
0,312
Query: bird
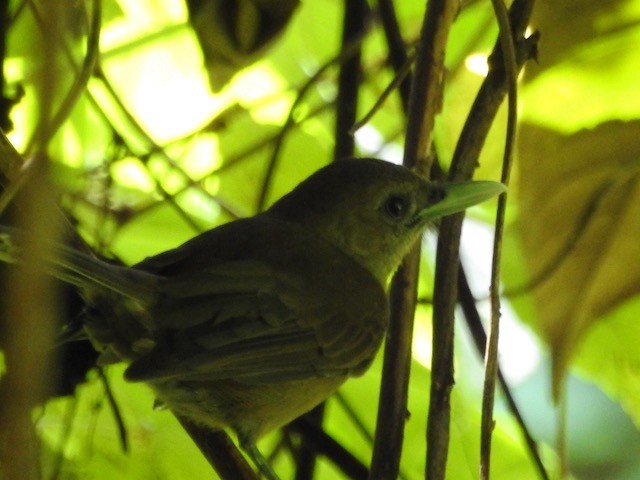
x,y
255,322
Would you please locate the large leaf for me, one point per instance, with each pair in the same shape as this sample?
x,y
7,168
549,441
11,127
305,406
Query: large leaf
x,y
580,221
578,170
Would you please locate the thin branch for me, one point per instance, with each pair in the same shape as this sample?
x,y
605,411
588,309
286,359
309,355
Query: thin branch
x,y
427,83
353,415
6,101
46,131
397,51
349,77
424,104
491,356
464,161
220,451
324,444
392,409
115,409
397,56
346,53
480,340
82,74
397,81
306,455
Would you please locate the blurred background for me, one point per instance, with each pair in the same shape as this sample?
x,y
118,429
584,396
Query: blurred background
x,y
166,118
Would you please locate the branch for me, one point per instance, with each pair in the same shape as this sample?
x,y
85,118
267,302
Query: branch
x,y
29,301
471,140
491,357
424,103
324,444
220,451
349,77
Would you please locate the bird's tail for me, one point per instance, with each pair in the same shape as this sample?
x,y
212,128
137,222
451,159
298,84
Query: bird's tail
x,y
118,327
83,270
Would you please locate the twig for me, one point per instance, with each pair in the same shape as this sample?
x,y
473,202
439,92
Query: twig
x,y
353,415
427,83
392,409
220,451
491,356
290,122
306,454
424,103
395,83
6,101
82,75
397,51
480,340
113,404
464,162
397,57
349,77
46,131
323,444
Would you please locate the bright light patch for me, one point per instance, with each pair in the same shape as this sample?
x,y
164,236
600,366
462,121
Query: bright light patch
x,y
164,84
421,347
20,118
556,98
72,146
14,69
519,352
203,157
197,202
477,63
371,142
129,172
262,89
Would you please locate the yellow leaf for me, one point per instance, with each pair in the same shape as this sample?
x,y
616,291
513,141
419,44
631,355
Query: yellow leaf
x,y
580,227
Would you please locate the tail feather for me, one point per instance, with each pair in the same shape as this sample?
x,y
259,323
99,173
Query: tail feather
x,y
86,272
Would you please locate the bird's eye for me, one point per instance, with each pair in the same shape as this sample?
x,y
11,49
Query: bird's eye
x,y
396,206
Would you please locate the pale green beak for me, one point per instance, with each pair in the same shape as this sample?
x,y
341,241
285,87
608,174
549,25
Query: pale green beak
x,y
456,197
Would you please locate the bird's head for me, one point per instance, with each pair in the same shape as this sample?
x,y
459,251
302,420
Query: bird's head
x,y
374,210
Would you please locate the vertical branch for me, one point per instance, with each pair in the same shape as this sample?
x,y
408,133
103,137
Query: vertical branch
x,y
465,157
445,297
392,409
5,102
424,104
427,83
349,78
398,59
397,52
353,29
306,455
491,356
29,300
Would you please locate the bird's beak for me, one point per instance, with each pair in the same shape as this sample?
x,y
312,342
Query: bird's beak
x,y
455,197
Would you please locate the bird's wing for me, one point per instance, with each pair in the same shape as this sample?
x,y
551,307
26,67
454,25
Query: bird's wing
x,y
265,322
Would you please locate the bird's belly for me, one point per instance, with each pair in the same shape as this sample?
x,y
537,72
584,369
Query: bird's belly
x,y
250,410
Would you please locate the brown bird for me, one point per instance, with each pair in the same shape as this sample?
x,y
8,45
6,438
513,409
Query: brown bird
x,y
251,324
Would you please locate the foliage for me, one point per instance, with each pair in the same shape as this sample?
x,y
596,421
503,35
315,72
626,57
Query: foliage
x,y
148,157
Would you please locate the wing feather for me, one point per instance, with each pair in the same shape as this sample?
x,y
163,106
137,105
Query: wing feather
x,y
257,316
